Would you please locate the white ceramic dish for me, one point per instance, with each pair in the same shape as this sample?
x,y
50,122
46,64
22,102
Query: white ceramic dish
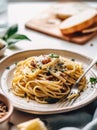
x,y
7,102
6,73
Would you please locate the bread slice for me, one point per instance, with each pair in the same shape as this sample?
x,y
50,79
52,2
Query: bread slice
x,y
34,124
90,30
79,22
69,9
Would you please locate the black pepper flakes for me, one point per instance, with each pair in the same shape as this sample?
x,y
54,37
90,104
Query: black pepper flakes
x,y
72,59
8,67
91,44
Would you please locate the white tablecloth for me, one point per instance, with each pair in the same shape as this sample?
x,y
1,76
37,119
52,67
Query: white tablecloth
x,y
20,12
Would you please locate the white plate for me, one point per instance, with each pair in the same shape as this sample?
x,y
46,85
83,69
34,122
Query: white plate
x,y
6,72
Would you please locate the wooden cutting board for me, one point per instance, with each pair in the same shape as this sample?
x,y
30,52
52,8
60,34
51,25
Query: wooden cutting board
x,y
49,24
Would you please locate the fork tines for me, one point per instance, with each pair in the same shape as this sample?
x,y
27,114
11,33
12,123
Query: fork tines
x,y
66,102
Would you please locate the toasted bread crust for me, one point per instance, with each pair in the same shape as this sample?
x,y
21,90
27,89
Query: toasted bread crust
x,y
78,27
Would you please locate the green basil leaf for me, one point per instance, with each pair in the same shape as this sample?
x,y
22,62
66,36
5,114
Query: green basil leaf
x,y
11,42
12,30
20,37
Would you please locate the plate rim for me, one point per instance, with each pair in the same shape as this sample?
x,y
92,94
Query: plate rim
x,y
49,49
61,110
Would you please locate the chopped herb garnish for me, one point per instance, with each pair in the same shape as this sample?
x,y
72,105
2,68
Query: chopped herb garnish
x,y
40,67
93,80
60,64
7,67
48,73
63,69
33,70
54,56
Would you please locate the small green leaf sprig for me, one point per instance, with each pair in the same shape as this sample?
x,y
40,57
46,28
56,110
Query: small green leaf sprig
x,y
11,36
93,80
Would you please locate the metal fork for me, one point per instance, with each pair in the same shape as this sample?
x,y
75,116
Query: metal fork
x,y
75,90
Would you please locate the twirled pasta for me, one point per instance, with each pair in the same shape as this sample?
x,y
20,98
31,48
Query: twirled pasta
x,y
46,78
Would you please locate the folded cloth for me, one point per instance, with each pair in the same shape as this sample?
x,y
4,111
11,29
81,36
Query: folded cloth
x,y
81,119
90,126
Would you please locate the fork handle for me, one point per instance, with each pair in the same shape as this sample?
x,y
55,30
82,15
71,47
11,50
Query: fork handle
x,y
89,67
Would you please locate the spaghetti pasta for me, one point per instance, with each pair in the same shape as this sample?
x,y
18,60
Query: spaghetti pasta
x,y
46,78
